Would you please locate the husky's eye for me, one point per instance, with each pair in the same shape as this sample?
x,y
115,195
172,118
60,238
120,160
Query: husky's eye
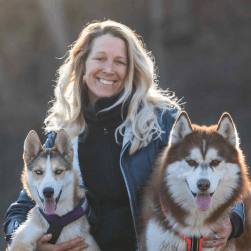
x,y
191,162
215,162
58,171
39,172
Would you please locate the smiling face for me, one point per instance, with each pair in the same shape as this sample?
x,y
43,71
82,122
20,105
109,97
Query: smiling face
x,y
106,67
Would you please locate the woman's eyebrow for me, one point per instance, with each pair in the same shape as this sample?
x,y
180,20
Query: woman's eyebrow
x,y
121,57
102,52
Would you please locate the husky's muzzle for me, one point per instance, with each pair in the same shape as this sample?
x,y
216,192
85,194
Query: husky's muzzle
x,y
50,204
203,197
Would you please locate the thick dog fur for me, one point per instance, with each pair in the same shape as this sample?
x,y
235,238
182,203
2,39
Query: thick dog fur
x,y
51,168
195,153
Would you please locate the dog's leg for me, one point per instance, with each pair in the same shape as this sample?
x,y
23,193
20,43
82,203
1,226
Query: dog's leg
x,y
27,235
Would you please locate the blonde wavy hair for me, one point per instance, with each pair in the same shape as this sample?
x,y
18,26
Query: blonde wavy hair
x,y
140,81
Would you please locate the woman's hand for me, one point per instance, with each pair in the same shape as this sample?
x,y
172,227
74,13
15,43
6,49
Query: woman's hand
x,y
223,228
72,245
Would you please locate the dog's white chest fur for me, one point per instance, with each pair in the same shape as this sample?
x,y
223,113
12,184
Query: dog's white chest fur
x,y
165,240
159,239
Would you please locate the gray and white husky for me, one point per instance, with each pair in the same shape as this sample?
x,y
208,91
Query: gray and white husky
x,y
51,181
195,183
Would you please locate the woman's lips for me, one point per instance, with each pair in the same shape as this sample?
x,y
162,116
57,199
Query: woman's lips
x,y
105,82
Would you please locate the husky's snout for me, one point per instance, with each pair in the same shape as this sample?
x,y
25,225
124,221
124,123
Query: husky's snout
x,y
48,192
203,198
49,201
50,204
203,184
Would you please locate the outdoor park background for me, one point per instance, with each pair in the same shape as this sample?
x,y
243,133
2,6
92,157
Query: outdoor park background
x,y
202,50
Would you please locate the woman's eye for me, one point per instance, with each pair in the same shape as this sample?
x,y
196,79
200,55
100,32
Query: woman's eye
x,y
215,162
38,172
100,59
58,172
121,62
191,162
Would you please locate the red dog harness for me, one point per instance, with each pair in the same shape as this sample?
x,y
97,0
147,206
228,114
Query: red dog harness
x,y
193,243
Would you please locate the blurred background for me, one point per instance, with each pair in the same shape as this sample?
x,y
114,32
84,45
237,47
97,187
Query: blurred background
x,y
202,49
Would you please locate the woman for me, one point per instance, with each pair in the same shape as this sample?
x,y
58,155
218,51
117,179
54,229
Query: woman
x,y
108,101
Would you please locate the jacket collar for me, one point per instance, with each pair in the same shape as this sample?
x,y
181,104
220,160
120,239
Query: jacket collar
x,y
127,135
128,129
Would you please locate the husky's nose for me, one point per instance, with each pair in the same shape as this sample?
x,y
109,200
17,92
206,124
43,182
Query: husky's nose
x,y
48,192
203,184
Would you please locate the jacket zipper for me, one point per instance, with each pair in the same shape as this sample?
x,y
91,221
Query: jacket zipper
x,y
127,185
128,190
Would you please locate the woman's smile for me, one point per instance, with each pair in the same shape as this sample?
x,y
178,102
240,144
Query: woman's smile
x,y
105,82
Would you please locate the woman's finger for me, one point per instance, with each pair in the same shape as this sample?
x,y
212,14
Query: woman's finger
x,y
209,244
45,238
69,244
209,237
221,224
218,248
79,248
80,244
220,243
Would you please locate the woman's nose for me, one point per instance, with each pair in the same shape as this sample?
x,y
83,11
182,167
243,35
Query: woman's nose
x,y
108,67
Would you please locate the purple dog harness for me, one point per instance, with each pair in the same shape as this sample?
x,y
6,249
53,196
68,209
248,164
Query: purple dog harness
x,y
57,223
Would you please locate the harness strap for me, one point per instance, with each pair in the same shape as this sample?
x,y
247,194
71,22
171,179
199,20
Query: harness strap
x,y
200,244
57,223
193,244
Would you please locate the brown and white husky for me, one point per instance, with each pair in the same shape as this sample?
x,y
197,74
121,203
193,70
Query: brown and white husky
x,y
195,183
51,181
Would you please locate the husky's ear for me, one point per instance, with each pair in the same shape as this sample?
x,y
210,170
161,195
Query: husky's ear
x,y
226,128
181,128
63,145
32,146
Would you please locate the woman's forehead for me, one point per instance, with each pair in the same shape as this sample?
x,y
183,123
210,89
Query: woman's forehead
x,y
108,43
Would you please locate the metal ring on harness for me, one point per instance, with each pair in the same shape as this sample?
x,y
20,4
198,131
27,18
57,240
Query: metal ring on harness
x,y
216,236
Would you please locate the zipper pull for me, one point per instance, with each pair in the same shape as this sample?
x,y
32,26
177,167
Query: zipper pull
x,y
105,131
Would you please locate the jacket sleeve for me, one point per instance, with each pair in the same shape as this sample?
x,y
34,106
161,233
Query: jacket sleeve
x,y
237,216
17,212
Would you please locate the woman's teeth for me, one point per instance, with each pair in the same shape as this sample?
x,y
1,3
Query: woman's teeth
x,y
105,82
